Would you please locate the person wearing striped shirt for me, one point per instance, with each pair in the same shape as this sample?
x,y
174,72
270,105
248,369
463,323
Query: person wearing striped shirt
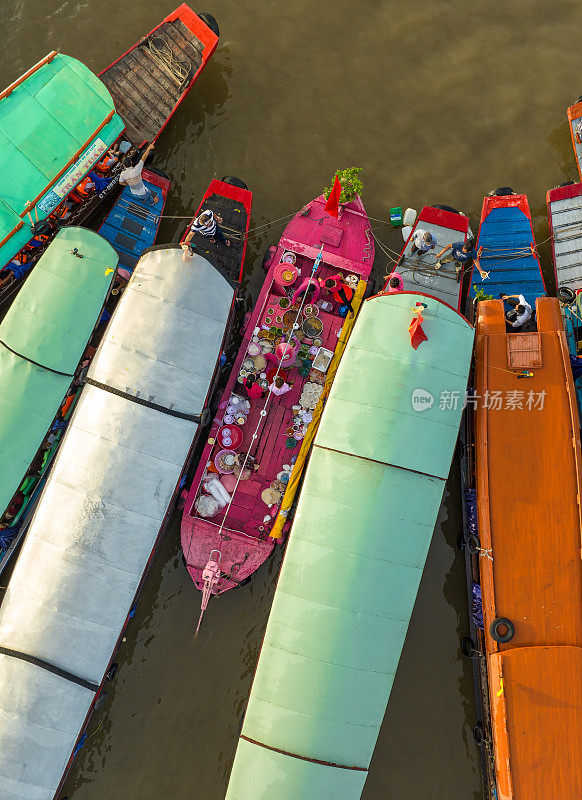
x,y
205,224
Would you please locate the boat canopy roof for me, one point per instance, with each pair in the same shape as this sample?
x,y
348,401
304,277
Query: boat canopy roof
x,y
42,338
55,123
102,508
355,556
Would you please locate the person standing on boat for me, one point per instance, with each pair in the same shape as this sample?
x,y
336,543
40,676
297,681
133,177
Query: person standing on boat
x,y
520,312
394,283
131,176
464,255
206,224
422,242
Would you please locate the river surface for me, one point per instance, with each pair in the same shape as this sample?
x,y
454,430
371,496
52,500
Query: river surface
x,y
439,102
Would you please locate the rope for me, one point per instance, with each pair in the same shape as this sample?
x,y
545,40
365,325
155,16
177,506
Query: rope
x,y
162,409
159,50
39,662
263,412
36,364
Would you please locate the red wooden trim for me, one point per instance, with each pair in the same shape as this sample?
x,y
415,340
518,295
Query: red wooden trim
x,y
564,192
158,180
422,294
506,201
32,203
446,219
199,28
46,60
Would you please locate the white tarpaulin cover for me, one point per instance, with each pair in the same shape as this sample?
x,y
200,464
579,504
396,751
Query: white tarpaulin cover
x,y
101,511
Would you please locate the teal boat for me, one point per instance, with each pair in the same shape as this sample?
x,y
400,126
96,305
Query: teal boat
x,y
42,339
56,121
355,557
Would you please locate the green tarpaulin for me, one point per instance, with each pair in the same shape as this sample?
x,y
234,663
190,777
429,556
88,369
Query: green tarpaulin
x,y
49,322
356,553
49,124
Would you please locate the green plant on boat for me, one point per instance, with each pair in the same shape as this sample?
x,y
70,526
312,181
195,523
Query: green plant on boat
x,y
350,183
480,294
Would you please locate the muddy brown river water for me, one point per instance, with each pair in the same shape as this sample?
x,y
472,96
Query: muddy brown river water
x,y
439,102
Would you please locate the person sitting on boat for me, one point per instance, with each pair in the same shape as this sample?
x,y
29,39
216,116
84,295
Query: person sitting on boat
x,y
279,386
310,288
131,176
520,312
395,283
253,387
206,224
464,255
422,242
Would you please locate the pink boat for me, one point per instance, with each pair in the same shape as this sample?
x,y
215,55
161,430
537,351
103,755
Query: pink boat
x,y
292,333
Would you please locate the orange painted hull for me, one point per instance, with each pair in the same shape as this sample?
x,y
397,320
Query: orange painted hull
x,y
528,489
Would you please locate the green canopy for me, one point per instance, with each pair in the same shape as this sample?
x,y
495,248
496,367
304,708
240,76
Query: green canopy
x,y
52,132
50,323
356,553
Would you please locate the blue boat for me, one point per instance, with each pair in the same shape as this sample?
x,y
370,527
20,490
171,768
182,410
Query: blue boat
x,y
507,249
132,225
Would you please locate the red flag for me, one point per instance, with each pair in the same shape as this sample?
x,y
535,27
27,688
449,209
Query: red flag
x,y
332,204
417,335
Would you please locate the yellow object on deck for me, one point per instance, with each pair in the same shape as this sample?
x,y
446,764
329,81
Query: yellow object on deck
x,y
299,465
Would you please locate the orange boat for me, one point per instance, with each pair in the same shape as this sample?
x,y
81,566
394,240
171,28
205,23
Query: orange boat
x,y
575,124
527,556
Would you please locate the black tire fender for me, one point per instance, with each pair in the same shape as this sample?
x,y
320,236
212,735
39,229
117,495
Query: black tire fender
x,y
566,183
240,184
566,295
447,208
211,22
502,191
500,623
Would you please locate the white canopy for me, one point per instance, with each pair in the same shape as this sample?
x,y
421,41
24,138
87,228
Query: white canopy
x,y
102,509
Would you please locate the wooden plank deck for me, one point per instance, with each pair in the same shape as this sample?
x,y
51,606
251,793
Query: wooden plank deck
x,y
145,83
529,488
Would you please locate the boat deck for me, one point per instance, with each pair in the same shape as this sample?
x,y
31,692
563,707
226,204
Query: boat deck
x,y
234,225
509,253
420,273
574,114
248,516
565,221
528,487
132,225
150,79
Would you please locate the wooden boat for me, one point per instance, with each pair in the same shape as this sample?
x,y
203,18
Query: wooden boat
x,y
565,221
574,114
420,273
523,546
132,224
231,201
265,434
78,117
93,534
43,340
355,556
509,252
